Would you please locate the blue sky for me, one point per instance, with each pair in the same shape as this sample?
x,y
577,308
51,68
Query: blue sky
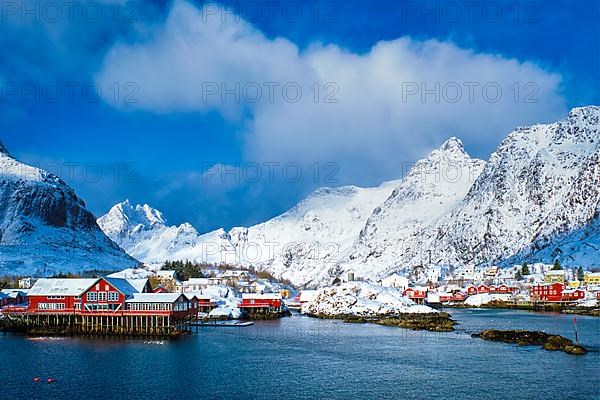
x,y
195,155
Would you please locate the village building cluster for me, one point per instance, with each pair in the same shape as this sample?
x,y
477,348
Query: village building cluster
x,y
541,284
144,302
117,305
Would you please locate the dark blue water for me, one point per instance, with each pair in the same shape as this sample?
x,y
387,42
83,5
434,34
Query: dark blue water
x,y
302,358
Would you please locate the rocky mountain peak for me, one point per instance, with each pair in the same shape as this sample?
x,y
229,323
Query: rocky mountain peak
x,y
124,217
3,149
45,228
453,144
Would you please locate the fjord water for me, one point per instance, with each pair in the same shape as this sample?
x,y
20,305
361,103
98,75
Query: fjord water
x,y
303,358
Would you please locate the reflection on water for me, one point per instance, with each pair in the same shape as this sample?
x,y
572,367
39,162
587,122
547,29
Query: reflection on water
x,y
304,358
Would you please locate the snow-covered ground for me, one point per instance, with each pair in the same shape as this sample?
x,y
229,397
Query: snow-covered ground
x,y
361,299
480,299
132,273
227,301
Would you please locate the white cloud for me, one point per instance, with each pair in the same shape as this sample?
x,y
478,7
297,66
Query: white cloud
x,y
375,125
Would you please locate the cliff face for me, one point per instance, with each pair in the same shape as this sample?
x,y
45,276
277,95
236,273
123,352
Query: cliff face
x,y
45,228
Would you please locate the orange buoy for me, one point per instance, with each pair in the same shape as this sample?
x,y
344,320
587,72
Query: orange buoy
x,y
50,380
36,379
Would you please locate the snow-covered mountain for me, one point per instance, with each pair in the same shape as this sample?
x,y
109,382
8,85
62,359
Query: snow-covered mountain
x,y
45,228
143,232
303,243
536,199
432,189
328,220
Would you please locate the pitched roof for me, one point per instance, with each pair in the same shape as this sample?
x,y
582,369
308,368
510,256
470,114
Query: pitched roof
x,y
61,287
138,284
123,285
13,293
154,298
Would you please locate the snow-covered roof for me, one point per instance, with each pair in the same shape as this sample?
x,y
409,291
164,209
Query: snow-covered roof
x,y
154,298
13,293
198,295
61,287
261,296
170,274
138,284
222,311
556,272
124,286
197,281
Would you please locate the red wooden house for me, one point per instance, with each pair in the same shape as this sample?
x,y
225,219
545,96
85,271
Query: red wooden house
x,y
261,302
548,292
483,289
105,295
471,290
417,295
572,294
206,303
175,305
505,289
57,295
102,296
458,296
445,297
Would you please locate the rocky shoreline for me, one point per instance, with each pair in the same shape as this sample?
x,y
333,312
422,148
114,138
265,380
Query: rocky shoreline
x,y
433,322
592,312
532,338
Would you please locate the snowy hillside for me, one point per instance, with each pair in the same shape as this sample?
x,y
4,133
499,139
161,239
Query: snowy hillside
x,y
319,226
300,244
536,199
45,228
433,188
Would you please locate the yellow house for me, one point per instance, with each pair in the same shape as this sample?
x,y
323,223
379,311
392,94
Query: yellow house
x,y
554,276
591,278
574,284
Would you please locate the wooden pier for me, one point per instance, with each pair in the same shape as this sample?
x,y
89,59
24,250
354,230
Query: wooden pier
x,y
81,324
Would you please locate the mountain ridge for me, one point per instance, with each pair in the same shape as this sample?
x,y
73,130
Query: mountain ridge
x,y
535,199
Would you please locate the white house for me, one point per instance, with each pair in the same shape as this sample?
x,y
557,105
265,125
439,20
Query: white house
x,y
26,283
395,281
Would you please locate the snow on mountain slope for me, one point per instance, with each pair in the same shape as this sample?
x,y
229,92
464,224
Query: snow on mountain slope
x,y
540,187
298,244
318,226
45,228
143,232
535,200
432,189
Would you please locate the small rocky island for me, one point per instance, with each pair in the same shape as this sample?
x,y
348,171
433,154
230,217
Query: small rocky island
x,y
361,302
533,338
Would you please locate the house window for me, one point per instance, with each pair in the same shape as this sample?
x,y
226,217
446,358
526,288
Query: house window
x,y
78,306
92,296
113,296
101,296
